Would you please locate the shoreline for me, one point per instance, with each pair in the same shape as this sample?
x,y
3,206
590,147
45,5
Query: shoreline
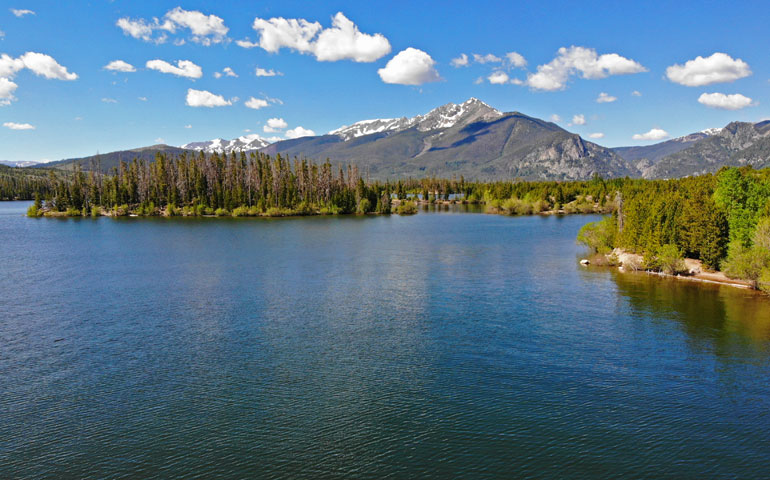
x,y
629,263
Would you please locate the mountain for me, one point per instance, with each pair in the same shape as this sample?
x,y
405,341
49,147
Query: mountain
x,y
737,144
643,157
218,145
107,161
470,139
20,164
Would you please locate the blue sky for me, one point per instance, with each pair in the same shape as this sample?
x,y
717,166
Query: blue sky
x,y
376,60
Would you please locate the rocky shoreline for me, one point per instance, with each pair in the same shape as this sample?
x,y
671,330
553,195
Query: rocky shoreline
x,y
633,262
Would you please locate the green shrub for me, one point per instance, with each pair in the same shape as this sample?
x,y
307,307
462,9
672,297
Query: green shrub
x,y
599,236
34,211
221,212
746,263
670,260
95,211
364,206
406,208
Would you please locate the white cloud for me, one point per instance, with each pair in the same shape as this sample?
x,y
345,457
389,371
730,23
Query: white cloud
x,y
256,103
144,99
299,132
581,61
159,141
488,58
188,126
45,66
636,93
596,135
653,134
461,61
205,29
579,119
410,67
39,63
184,68
498,78
261,72
342,41
140,29
2,34
718,68
203,98
227,72
735,101
119,66
109,100
18,126
21,12
555,118
516,59
7,88
605,97
275,124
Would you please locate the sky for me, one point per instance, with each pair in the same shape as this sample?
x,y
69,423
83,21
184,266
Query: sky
x,y
77,77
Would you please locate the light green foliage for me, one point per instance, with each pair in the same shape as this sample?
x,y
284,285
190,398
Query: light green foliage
x,y
669,259
364,206
599,236
406,208
747,263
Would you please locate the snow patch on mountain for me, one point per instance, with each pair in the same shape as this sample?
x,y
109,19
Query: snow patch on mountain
x,y
441,118
244,143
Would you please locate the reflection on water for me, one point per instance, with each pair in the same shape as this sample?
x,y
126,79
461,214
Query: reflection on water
x,y
706,312
436,345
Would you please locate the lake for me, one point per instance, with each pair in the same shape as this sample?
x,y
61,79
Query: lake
x,y
445,344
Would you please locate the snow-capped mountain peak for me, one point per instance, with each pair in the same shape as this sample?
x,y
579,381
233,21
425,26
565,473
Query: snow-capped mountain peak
x,y
440,118
244,143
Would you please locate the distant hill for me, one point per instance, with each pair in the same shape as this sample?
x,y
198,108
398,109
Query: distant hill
x,y
107,161
20,164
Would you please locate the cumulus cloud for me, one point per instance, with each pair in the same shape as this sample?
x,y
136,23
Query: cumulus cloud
x,y
461,61
227,72
256,103
204,29
183,68
275,124
488,58
203,98
498,78
579,119
261,72
718,68
119,66
516,59
653,134
605,97
596,135
410,67
45,66
636,93
144,99
555,118
18,126
581,61
7,88
21,12
342,41
299,132
736,101
38,63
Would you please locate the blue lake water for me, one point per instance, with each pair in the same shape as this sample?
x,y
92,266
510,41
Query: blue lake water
x,y
445,344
